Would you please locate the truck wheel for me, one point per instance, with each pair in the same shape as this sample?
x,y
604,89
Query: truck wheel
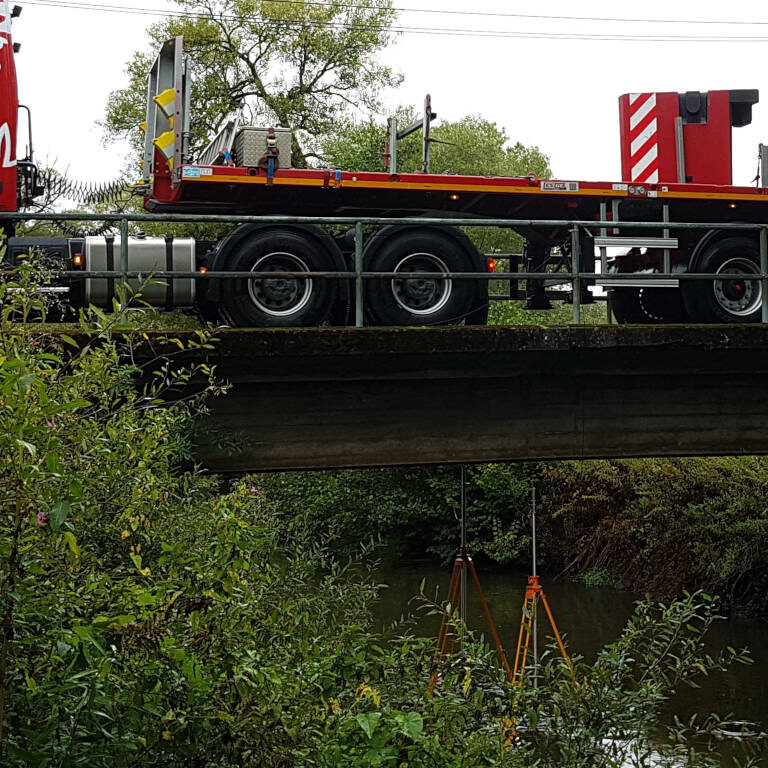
x,y
625,305
279,302
649,306
419,301
727,300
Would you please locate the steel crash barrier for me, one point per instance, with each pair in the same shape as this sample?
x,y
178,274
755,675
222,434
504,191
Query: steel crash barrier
x,y
570,251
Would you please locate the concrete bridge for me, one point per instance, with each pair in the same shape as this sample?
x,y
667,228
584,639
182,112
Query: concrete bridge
x,y
325,398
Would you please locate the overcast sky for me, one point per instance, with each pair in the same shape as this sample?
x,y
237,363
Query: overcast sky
x,y
559,94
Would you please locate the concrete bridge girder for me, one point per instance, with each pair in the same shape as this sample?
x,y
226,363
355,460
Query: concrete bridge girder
x,y
332,398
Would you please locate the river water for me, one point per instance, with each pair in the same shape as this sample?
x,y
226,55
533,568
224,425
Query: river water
x,y
588,617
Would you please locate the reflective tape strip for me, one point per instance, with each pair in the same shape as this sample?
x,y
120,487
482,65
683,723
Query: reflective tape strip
x,y
637,116
643,136
166,101
645,161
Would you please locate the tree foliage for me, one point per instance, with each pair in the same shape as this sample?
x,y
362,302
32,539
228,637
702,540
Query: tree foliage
x,y
663,525
471,146
299,65
413,510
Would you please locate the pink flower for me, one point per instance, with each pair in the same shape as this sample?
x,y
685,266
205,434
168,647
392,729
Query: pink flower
x,y
50,423
253,489
42,519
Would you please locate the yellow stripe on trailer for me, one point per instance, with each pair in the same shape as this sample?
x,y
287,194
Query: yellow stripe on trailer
x,y
166,101
166,143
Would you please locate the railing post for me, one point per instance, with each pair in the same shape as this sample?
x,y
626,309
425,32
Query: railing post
x,y
124,249
575,279
358,274
764,272
604,259
603,233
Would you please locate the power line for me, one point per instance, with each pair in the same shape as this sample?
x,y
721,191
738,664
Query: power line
x,y
493,14
441,31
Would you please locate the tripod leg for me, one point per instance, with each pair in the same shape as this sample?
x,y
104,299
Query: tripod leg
x,y
517,675
450,606
489,618
529,632
560,644
441,652
455,600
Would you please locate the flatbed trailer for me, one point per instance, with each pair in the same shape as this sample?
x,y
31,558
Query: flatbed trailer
x,y
676,164
311,192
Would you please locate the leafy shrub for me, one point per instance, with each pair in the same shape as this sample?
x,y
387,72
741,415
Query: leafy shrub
x,y
413,510
598,578
150,619
663,525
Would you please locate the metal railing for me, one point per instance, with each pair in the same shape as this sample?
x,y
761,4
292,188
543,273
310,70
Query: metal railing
x,y
359,275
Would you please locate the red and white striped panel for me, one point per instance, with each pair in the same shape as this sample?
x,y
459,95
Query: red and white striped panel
x,y
644,137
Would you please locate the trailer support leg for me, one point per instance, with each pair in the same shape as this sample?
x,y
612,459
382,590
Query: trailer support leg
x,y
586,264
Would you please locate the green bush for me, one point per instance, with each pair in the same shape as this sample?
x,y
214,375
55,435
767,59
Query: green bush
x,y
414,510
663,525
149,618
598,578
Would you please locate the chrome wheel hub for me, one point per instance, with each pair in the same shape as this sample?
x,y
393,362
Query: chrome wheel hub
x,y
736,296
280,296
421,296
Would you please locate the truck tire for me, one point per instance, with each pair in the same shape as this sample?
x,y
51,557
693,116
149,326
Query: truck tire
x,y
625,305
726,300
421,301
279,302
647,306
663,306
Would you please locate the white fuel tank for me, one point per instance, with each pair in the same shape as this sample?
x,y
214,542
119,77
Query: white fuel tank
x,y
146,255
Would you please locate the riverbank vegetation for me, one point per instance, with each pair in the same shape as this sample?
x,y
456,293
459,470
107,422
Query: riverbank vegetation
x,y
154,616
657,525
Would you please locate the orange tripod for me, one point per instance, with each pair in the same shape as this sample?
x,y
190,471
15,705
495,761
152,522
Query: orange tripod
x,y
445,638
533,594
457,598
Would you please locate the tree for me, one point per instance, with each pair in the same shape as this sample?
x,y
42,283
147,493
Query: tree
x,y
472,146
279,63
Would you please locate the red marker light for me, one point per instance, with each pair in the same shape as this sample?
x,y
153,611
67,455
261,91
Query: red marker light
x,y
77,260
491,264
202,270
